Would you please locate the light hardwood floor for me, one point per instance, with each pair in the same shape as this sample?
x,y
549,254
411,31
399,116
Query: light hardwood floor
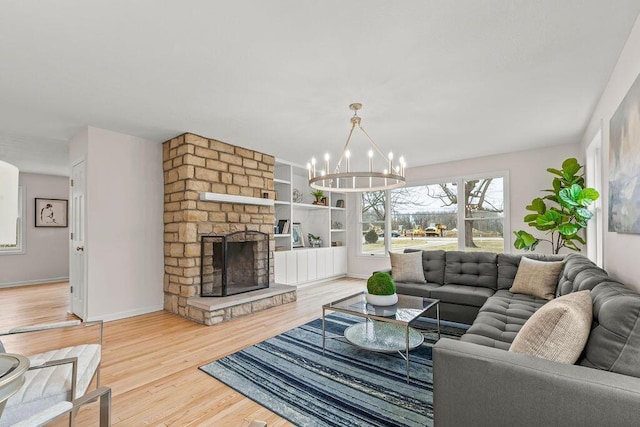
x,y
151,361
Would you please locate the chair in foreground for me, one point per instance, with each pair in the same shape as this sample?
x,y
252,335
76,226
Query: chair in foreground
x,y
61,408
57,378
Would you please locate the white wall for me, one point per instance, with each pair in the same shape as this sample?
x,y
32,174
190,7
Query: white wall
x,y
46,256
620,250
124,244
527,176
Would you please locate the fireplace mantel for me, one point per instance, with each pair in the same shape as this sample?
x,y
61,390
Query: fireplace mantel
x,y
230,198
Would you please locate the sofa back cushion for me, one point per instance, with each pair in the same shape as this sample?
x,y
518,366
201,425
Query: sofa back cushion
x,y
433,263
471,269
614,341
580,274
508,266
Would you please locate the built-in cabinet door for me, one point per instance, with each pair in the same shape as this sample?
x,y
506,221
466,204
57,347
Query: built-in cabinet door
x,y
292,267
339,261
321,258
280,267
303,265
285,270
312,265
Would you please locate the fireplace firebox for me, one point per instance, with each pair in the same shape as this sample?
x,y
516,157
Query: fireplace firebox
x,y
233,264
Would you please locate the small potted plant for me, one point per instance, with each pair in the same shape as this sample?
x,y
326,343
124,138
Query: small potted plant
x,y
318,194
381,289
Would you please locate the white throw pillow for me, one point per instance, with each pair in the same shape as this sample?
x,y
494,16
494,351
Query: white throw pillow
x,y
559,330
407,267
537,278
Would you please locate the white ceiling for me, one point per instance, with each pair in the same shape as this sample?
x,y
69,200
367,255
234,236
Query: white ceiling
x,y
439,79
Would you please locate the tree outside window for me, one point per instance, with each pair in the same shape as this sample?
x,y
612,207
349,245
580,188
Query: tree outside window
x,y
428,217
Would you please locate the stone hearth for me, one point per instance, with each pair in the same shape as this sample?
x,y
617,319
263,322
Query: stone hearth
x,y
211,311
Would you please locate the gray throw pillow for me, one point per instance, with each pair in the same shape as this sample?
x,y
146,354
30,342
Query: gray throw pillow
x,y
537,278
559,330
407,267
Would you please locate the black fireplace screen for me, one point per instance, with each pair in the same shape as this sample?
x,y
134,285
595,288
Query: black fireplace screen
x,y
233,264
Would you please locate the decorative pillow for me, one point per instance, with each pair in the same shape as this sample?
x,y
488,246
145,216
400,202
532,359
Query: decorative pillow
x,y
407,267
537,278
559,330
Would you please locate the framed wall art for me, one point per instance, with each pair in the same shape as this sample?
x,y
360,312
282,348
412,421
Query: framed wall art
x,y
624,164
52,213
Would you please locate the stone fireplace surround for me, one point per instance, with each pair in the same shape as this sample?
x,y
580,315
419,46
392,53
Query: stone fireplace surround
x,y
194,165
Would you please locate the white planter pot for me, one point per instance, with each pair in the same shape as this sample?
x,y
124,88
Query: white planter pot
x,y
382,299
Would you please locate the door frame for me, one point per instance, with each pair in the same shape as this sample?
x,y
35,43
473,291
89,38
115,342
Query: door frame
x,y
82,313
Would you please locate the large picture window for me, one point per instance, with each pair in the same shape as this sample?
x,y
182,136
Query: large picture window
x,y
466,213
18,248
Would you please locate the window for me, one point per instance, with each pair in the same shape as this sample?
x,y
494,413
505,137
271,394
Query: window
x,y
372,222
595,227
18,248
466,213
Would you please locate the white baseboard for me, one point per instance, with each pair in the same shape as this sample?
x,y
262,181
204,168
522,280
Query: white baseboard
x,y
34,282
359,276
130,313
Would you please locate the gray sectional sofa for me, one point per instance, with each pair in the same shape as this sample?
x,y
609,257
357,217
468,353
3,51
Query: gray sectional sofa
x,y
478,382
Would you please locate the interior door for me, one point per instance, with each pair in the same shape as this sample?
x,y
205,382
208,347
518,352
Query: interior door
x,y
77,268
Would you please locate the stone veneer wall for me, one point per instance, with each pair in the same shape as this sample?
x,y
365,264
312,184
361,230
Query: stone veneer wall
x,y
194,164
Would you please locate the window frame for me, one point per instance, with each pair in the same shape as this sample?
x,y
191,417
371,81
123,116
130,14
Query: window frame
x,y
593,178
459,180
20,247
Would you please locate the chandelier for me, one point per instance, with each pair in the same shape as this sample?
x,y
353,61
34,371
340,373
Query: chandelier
x,y
343,179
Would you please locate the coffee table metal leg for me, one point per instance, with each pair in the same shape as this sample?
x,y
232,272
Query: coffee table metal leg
x,y
438,318
407,349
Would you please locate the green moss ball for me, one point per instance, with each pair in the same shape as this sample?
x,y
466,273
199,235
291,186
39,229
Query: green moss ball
x,y
381,284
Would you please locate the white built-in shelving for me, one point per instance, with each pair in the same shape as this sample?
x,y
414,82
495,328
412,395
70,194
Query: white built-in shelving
x,y
294,203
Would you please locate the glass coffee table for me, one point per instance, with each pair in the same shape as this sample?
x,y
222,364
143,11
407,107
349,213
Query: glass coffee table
x,y
386,328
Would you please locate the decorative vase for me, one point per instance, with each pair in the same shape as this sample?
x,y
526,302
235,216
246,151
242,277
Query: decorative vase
x,y
383,300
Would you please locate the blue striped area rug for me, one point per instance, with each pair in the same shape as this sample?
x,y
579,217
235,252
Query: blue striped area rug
x,y
348,386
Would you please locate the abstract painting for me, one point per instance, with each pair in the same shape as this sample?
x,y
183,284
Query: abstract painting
x,y
624,164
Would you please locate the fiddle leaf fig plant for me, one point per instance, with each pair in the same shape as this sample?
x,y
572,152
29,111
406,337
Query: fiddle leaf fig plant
x,y
562,214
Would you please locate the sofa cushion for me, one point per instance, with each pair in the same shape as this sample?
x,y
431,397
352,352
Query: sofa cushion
x,y
433,263
558,331
471,269
614,342
508,266
416,289
468,295
407,267
537,278
513,306
501,318
580,274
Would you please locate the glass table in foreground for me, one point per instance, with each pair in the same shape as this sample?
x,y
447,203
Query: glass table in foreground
x,y
386,328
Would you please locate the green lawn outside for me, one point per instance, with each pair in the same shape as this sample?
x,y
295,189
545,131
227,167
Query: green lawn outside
x,y
398,244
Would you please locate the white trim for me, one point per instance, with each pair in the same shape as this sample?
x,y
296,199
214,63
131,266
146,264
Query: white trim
x,y
230,198
34,282
21,247
593,178
125,314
